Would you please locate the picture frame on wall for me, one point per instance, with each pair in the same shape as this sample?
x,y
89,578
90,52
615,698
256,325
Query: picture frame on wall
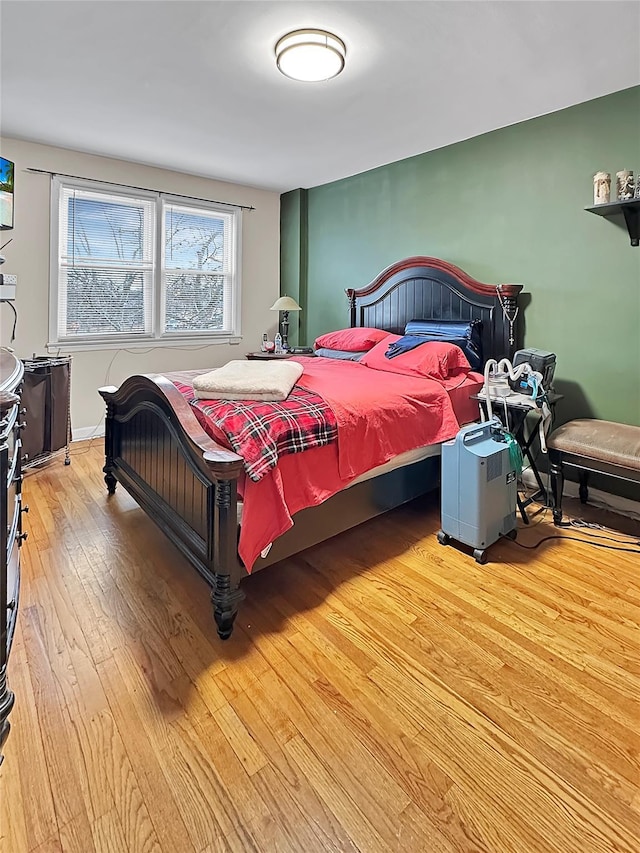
x,y
6,194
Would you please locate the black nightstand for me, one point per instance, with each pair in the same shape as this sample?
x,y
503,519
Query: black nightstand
x,y
517,415
276,356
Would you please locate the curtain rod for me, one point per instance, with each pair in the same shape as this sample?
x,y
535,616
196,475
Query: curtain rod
x,y
144,189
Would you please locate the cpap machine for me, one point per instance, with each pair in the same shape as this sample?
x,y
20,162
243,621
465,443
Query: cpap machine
x,y
539,361
524,383
530,374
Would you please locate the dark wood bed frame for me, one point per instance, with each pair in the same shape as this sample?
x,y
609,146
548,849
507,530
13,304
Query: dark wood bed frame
x,y
186,483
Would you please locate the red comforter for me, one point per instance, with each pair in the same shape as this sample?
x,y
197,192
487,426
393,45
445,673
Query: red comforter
x,y
379,416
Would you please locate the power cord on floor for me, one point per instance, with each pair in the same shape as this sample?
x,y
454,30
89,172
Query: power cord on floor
x,y
577,523
572,538
573,523
587,529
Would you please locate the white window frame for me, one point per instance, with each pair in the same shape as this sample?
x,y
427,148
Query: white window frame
x,y
158,337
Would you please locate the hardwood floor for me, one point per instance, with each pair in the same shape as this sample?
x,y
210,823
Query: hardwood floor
x,y
380,692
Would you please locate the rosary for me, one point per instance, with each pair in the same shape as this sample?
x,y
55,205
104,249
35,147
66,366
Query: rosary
x,y
511,318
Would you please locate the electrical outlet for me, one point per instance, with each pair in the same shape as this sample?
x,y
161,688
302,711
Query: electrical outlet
x,y
8,279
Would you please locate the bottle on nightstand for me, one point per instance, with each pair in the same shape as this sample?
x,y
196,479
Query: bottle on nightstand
x,y
278,341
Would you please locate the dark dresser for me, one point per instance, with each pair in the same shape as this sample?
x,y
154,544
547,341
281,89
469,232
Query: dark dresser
x,y
11,509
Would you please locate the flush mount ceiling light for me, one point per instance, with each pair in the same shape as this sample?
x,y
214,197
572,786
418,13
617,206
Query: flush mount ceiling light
x,y
310,55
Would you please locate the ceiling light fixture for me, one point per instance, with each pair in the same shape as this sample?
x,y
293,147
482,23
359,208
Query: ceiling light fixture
x,y
310,55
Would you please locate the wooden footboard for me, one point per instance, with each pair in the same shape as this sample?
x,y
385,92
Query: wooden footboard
x,y
182,479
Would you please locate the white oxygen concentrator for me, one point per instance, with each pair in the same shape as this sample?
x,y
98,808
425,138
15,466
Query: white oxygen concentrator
x,y
479,488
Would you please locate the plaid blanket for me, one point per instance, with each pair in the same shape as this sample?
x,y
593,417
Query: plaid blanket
x,y
262,432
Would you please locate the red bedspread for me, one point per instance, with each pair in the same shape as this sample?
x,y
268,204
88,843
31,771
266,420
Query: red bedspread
x,y
379,415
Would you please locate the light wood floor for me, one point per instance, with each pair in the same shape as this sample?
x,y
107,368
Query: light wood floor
x,y
380,693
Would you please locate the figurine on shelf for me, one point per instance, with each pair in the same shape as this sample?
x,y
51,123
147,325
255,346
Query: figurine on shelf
x,y
601,188
624,184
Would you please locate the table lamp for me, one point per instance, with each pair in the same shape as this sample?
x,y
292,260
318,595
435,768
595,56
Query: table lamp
x,y
285,304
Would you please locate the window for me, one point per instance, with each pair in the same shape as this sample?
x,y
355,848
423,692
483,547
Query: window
x,y
140,266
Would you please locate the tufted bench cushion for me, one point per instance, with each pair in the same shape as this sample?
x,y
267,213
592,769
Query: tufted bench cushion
x,y
605,441
592,445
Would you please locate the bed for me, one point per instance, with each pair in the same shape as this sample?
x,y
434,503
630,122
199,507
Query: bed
x,y
188,483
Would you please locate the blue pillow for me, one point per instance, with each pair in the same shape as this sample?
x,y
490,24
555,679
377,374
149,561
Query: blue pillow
x,y
466,334
325,352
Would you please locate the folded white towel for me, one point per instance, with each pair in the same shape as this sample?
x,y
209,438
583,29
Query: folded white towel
x,y
268,381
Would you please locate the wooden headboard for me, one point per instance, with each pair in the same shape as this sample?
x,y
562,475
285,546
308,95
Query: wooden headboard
x,y
421,288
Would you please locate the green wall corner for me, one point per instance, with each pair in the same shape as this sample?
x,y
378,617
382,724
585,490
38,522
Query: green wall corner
x,y
293,258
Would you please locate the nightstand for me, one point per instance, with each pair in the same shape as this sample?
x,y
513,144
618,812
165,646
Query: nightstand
x,y
273,356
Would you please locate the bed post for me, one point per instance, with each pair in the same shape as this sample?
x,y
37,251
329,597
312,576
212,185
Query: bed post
x,y
109,447
351,296
226,595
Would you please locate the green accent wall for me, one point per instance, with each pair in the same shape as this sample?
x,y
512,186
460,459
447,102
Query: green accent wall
x,y
507,206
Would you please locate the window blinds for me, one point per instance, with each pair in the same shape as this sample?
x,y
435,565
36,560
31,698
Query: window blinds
x,y
198,269
106,262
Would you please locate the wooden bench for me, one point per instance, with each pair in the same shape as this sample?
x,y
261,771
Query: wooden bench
x,y
592,445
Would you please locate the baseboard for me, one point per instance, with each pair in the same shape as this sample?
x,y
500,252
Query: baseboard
x,y
85,433
597,497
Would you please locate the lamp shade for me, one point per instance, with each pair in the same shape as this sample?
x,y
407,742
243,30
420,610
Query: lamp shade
x,y
285,303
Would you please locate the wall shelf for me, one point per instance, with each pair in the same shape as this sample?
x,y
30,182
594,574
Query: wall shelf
x,y
629,209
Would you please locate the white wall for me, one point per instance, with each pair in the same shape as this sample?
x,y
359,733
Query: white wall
x,y
28,258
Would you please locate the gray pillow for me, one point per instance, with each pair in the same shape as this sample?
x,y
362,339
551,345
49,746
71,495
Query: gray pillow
x,y
324,352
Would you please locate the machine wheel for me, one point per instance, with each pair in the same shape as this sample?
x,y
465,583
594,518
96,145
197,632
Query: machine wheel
x,y
513,534
480,555
443,538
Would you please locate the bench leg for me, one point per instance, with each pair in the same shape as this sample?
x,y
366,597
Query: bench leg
x,y
557,486
584,486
